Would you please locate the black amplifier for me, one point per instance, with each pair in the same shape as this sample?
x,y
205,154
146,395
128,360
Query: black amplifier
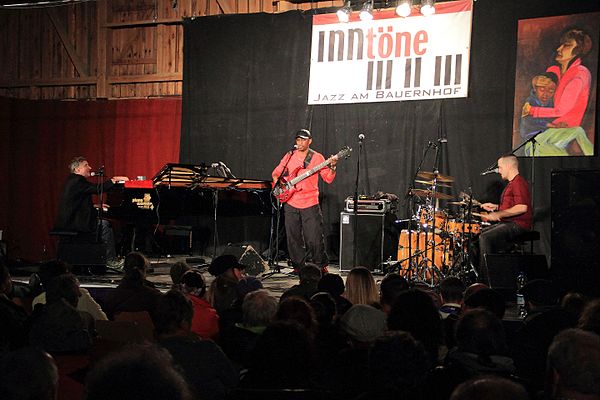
x,y
368,206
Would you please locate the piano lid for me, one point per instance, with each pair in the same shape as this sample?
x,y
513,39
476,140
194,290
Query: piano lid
x,y
196,176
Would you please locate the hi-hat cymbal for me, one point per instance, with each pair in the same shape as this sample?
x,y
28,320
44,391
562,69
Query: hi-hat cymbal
x,y
430,176
429,193
430,183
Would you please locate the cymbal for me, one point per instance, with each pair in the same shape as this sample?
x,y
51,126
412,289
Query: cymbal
x,y
429,193
430,183
431,175
474,203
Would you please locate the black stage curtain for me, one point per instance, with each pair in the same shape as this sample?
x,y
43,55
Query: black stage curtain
x,y
245,94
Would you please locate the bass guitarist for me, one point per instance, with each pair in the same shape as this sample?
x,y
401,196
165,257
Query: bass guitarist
x,y
303,217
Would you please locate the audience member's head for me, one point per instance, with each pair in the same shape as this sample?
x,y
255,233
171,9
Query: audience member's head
x,y
284,355
28,373
363,323
177,270
135,266
173,314
192,282
480,332
310,274
247,284
332,284
297,309
539,293
574,365
486,298
325,308
414,312
489,388
136,373
390,287
574,303
361,287
258,309
65,287
590,317
52,269
473,288
397,364
228,266
451,290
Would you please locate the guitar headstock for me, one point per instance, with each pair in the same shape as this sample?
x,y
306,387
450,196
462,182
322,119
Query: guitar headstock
x,y
344,152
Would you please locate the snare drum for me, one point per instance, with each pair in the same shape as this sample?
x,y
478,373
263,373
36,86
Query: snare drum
x,y
458,227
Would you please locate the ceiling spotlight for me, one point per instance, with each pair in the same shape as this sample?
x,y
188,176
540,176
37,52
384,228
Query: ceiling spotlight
x,y
427,7
366,13
343,13
404,8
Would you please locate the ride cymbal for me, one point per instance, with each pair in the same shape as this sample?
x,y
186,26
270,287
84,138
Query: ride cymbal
x,y
430,176
429,193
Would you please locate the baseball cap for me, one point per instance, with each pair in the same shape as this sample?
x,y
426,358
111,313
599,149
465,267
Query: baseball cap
x,y
304,134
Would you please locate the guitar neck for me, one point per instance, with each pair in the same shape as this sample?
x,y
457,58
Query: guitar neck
x,y
310,172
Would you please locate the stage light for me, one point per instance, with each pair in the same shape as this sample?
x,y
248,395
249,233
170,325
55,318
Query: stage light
x,y
366,13
427,7
404,8
343,13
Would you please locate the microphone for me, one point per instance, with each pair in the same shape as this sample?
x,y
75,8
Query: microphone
x,y
361,137
294,147
490,171
443,140
432,144
100,172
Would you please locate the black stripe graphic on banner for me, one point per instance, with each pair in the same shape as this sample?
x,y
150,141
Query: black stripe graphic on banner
x,y
388,74
418,72
379,74
458,69
438,70
448,70
370,75
407,72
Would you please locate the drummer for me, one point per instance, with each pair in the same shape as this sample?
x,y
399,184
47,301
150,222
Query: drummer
x,y
513,215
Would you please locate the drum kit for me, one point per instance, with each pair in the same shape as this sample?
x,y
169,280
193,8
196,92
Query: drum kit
x,y
436,243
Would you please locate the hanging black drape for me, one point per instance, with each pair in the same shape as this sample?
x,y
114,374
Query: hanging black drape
x,y
245,93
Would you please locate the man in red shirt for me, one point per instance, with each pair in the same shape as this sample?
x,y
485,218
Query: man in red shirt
x,y
513,214
303,218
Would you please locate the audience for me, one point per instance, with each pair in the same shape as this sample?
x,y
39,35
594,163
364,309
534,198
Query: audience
x,y
227,272
590,317
234,314
573,367
334,285
205,367
489,388
574,303
391,286
361,287
176,272
28,374
13,329
299,310
136,373
484,297
57,326
134,293
309,276
205,322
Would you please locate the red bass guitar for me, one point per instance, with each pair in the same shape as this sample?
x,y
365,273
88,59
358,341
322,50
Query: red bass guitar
x,y
287,186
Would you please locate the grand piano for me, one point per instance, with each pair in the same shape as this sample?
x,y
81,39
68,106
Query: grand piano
x,y
183,191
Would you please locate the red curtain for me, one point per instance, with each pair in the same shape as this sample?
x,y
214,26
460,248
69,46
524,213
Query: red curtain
x,y
128,137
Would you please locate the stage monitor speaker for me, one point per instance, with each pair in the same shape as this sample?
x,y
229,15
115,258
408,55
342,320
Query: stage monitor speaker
x,y
83,257
576,229
503,270
369,241
247,256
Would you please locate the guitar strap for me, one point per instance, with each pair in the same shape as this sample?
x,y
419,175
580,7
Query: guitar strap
x,y
308,158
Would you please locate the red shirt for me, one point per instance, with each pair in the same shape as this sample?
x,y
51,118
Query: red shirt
x,y
307,194
205,322
517,192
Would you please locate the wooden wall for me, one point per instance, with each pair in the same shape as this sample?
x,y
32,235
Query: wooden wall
x,y
107,48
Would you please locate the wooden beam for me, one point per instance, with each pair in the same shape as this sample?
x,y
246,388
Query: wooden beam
x,y
82,68
149,22
101,49
124,79
48,82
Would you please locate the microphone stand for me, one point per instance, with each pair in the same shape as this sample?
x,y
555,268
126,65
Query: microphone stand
x,y
355,222
277,215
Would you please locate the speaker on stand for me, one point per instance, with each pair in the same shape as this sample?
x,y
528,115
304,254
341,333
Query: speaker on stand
x,y
369,241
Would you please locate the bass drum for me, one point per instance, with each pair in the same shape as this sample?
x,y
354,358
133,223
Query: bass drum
x,y
419,245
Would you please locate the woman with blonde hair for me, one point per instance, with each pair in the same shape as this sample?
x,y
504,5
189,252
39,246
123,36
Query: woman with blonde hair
x,y
361,287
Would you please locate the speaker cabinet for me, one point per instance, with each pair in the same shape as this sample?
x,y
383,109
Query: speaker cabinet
x,y
249,257
83,257
369,241
576,229
504,268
